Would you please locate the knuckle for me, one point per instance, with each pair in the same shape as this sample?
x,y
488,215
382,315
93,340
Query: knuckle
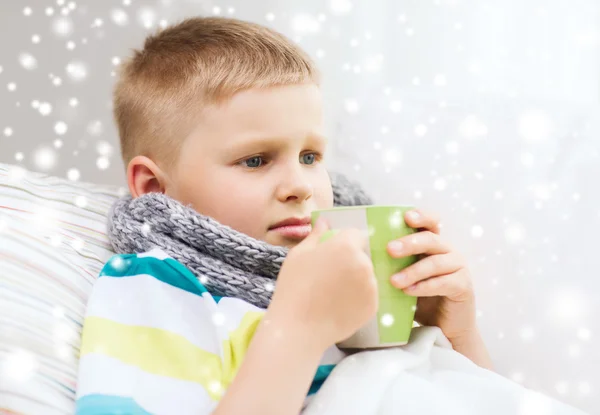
x,y
437,261
432,236
421,268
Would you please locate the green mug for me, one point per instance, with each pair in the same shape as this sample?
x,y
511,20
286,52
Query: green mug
x,y
395,317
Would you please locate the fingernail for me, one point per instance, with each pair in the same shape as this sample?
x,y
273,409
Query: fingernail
x,y
414,215
396,246
399,279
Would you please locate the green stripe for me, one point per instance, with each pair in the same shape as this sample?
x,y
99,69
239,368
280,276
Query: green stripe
x,y
167,270
323,371
388,223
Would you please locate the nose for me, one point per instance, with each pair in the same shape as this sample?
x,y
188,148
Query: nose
x,y
295,185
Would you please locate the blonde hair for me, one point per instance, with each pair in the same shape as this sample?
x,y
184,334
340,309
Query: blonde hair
x,y
193,64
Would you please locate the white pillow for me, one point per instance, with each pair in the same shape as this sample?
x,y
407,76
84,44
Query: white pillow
x,y
52,246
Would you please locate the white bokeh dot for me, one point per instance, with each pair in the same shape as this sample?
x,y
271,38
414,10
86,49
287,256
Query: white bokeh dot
x,y
562,388
396,106
44,108
119,17
476,231
44,158
440,184
62,26
452,147
351,106
8,131
104,148
146,17
218,319
73,174
584,333
28,61
527,333
440,80
340,7
95,128
514,233
535,125
77,71
11,86
145,228
420,130
387,320
81,201
304,23
60,128
584,388
472,127
19,366
102,163
518,377
27,11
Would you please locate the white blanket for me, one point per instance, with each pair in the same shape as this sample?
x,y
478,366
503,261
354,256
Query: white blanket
x,y
425,377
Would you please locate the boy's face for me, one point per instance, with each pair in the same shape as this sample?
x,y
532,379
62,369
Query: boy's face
x,y
256,160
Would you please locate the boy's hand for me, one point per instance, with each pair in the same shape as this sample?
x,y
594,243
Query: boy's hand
x,y
327,290
440,278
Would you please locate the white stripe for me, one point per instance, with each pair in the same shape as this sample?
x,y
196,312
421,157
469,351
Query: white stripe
x,y
154,253
233,311
159,395
142,300
332,356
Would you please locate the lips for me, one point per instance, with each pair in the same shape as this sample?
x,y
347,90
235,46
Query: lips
x,y
293,228
292,222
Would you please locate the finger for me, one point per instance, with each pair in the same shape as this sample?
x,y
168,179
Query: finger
x,y
424,242
317,231
455,286
356,236
428,267
419,219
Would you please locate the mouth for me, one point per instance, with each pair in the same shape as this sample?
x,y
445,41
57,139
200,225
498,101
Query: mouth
x,y
293,228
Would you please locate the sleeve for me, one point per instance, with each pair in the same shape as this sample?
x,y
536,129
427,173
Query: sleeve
x,y
156,342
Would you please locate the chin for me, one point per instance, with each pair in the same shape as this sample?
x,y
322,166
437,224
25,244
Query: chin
x,y
288,243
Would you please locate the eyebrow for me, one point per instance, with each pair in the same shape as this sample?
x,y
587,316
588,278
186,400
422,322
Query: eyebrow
x,y
255,143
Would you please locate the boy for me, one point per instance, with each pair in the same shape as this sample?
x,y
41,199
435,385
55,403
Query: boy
x,y
225,117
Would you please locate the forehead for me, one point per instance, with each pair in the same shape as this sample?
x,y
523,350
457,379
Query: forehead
x,y
275,111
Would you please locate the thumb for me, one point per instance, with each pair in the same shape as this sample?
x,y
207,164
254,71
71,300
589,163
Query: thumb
x,y
321,226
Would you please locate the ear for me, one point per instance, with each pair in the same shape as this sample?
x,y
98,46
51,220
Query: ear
x,y
144,176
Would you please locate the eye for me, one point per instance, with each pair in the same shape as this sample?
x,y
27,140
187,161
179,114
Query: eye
x,y
309,158
253,162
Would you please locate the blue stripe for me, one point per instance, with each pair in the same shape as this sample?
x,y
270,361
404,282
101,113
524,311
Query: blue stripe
x,y
323,371
108,405
166,270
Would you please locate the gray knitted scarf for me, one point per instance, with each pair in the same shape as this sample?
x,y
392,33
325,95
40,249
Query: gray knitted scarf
x,y
227,262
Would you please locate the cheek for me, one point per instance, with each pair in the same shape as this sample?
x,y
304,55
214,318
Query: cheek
x,y
324,192
235,204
